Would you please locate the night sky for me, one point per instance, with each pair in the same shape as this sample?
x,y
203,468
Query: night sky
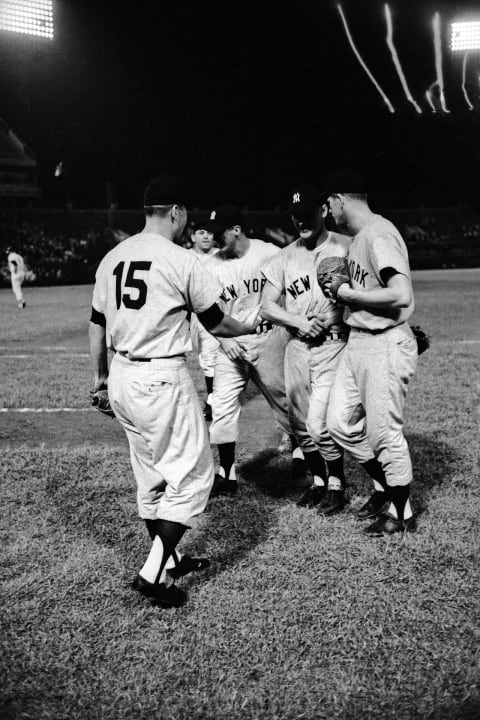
x,y
246,98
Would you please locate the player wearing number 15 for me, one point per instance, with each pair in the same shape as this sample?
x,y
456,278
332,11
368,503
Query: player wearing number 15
x,y
145,290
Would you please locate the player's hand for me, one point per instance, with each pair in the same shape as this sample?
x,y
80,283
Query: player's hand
x,y
341,292
250,353
232,348
310,327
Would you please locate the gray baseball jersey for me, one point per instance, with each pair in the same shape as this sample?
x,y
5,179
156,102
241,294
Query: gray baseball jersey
x,y
377,246
146,287
293,272
242,280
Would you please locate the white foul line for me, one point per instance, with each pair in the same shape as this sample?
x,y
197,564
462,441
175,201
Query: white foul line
x,y
62,355
45,410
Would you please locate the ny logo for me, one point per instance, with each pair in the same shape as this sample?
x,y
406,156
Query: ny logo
x,y
296,197
213,215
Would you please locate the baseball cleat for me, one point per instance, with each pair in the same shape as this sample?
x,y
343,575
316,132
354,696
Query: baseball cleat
x,y
167,597
222,486
187,565
373,505
312,496
387,525
333,503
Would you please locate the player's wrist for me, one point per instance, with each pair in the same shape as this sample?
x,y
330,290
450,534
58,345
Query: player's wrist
x,y
345,292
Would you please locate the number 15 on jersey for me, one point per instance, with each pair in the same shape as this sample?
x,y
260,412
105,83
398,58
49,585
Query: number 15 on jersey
x,y
134,303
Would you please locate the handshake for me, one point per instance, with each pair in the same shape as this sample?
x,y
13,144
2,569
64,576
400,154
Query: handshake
x,y
314,325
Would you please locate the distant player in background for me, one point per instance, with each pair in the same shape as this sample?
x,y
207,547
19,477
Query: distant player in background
x,y
204,343
17,275
258,358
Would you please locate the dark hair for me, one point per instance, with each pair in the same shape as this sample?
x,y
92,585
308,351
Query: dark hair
x,y
356,196
158,210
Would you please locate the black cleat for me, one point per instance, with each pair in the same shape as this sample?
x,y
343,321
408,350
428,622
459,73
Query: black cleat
x,y
387,525
207,412
187,565
312,496
222,486
373,505
167,597
333,503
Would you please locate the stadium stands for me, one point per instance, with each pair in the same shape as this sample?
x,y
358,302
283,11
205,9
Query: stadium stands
x,y
65,247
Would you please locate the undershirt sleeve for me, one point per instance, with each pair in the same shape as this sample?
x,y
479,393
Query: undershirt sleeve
x,y
98,318
211,317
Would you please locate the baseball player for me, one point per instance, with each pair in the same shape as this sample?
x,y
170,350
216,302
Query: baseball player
x,y
365,415
17,275
293,298
259,358
145,289
203,342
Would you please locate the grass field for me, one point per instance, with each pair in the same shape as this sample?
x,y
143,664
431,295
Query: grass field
x,y
299,616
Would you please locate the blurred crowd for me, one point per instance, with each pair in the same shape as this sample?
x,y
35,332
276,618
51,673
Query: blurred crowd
x,y
53,258
63,258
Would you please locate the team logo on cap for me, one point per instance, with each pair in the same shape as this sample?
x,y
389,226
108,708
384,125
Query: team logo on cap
x,y
213,215
296,197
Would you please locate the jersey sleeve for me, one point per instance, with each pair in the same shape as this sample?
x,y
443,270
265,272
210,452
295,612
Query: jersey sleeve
x,y
203,288
273,271
388,251
99,299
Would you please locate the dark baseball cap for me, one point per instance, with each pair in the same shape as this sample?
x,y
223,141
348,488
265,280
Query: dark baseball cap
x,y
222,218
200,224
165,190
345,180
305,198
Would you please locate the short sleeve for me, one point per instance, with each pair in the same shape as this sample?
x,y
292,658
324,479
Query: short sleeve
x,y
273,271
99,299
388,251
203,288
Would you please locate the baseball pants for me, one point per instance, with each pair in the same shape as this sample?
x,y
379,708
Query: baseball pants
x,y
17,281
265,367
205,345
158,407
309,374
367,400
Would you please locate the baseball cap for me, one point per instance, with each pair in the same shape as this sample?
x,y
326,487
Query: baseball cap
x,y
199,224
165,190
222,218
305,198
345,180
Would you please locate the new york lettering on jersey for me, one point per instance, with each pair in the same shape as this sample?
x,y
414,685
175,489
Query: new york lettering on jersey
x,y
242,279
376,247
294,272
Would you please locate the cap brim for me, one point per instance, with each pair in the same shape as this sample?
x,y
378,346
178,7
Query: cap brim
x,y
214,227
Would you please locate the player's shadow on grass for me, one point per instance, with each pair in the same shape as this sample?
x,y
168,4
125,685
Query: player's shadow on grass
x,y
434,463
273,474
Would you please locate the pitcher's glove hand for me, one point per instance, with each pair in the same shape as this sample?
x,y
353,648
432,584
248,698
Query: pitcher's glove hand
x,y
423,341
331,273
101,402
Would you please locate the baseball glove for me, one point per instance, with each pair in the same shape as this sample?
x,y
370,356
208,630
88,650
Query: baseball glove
x,y
101,402
423,341
333,270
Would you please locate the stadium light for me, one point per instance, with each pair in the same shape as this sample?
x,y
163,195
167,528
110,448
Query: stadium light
x,y
465,36
28,17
